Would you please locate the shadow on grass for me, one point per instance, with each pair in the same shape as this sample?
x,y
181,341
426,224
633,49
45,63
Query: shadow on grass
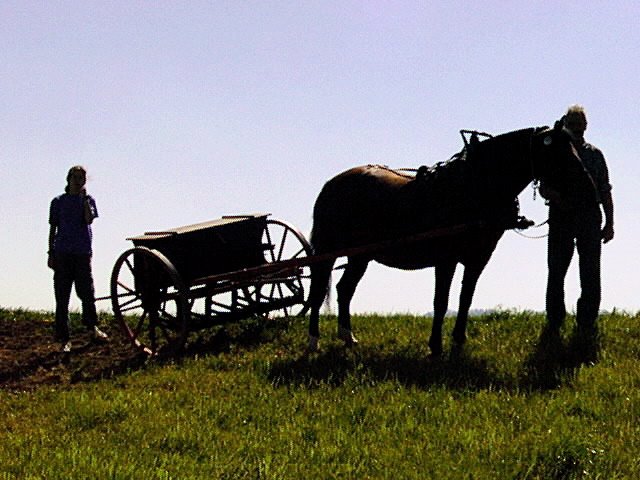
x,y
247,334
457,370
553,364
555,361
29,360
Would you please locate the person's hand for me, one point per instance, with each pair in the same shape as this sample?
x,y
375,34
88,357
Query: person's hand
x,y
51,262
607,233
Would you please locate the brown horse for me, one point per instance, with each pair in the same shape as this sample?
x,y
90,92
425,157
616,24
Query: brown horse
x,y
372,205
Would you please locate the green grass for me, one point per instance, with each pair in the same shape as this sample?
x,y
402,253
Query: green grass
x,y
502,408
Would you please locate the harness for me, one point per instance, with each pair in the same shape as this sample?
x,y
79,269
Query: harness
x,y
471,138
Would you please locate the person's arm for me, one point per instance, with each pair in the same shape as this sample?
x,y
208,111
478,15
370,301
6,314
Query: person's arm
x,y
607,206
52,236
89,209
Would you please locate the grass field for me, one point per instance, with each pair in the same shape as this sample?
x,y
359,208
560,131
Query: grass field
x,y
257,407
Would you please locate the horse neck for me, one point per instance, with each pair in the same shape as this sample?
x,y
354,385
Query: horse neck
x,y
506,166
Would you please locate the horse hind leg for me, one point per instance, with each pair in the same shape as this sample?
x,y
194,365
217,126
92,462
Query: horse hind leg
x,y
346,288
320,275
444,277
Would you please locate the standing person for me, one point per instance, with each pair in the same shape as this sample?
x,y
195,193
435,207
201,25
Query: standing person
x,y
70,218
576,223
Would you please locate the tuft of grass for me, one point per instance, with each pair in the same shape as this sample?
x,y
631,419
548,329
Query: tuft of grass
x,y
509,405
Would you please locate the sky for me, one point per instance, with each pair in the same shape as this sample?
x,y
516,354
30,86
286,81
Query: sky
x,y
186,111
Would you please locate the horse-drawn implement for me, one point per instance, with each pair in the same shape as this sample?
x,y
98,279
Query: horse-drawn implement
x,y
189,278
185,279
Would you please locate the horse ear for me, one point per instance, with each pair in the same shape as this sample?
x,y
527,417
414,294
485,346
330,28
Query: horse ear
x,y
422,173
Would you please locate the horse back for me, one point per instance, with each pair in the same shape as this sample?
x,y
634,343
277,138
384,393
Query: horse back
x,y
361,205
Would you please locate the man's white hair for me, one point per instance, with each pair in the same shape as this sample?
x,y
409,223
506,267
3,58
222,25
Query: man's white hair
x,y
576,109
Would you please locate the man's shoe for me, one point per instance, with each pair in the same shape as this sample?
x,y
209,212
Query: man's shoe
x,y
550,333
66,347
99,334
586,343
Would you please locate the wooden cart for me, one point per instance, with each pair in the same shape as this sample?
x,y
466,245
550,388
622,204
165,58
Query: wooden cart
x,y
184,279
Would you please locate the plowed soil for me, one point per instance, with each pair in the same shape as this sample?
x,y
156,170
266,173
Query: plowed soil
x,y
30,358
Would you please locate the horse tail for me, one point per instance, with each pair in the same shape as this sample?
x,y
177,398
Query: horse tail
x,y
328,297
313,240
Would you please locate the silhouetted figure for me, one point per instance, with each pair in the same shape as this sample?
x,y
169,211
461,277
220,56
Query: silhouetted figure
x,y
575,220
70,218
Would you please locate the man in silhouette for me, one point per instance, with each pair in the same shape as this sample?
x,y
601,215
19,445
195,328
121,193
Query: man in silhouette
x,y
576,223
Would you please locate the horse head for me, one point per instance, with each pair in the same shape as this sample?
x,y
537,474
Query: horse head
x,y
556,162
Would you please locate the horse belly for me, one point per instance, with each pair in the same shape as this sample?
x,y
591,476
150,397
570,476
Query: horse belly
x,y
421,254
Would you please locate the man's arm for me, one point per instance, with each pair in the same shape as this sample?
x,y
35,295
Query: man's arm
x,y
52,236
607,206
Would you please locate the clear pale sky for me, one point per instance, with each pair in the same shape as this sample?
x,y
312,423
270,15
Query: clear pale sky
x,y
186,111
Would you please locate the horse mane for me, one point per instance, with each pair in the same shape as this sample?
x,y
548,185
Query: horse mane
x,y
472,152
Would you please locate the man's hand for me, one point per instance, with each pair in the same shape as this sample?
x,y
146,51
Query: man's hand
x,y
607,233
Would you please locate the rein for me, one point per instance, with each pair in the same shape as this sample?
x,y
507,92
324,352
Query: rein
x,y
535,190
533,237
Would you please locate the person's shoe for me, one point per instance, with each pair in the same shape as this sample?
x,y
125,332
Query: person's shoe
x,y
99,334
586,343
66,347
550,334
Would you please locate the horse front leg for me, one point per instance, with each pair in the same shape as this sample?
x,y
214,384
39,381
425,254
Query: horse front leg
x,y
444,276
469,282
346,287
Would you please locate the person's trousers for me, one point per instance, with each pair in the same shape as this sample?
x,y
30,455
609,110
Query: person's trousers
x,y
73,269
569,231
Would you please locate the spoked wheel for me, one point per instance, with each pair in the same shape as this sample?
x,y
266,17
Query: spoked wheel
x,y
288,291
149,301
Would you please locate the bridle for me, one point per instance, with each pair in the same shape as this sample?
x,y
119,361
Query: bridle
x,y
536,182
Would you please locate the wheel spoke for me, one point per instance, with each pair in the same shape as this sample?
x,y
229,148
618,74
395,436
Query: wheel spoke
x,y
130,266
136,331
131,304
127,288
283,241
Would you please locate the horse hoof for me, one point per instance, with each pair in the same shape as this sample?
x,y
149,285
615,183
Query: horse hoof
x,y
314,344
459,338
436,347
347,337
